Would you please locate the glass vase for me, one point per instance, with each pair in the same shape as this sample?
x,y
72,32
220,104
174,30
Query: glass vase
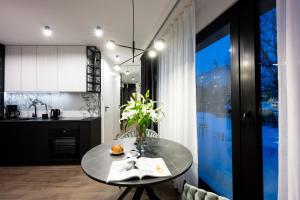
x,y
140,139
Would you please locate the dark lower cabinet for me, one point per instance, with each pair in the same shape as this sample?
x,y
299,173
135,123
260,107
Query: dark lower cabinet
x,y
23,142
47,142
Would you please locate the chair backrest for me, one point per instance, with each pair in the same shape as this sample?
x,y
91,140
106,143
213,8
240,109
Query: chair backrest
x,y
151,133
192,193
129,134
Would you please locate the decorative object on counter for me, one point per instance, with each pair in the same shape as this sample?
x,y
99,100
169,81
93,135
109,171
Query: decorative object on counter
x,y
55,113
92,103
140,112
34,102
45,115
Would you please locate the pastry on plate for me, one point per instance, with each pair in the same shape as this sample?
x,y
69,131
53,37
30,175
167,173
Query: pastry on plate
x,y
117,149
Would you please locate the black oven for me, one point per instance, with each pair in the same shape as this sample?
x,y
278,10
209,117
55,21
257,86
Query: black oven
x,y
64,143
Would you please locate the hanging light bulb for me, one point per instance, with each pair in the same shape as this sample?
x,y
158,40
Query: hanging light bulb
x,y
127,73
98,31
47,31
152,53
111,44
117,68
159,44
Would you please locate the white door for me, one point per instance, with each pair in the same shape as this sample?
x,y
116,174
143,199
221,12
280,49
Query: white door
x,y
72,68
12,68
110,103
47,70
28,74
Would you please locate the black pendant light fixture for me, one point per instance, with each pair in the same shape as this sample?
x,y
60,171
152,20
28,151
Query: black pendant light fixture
x,y
158,45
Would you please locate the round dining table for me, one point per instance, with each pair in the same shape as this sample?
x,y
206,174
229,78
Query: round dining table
x,y
96,163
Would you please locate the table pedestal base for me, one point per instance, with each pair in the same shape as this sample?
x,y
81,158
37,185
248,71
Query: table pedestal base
x,y
138,193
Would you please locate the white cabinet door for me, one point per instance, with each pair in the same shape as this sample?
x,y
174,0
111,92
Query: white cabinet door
x,y
47,71
12,68
72,68
28,72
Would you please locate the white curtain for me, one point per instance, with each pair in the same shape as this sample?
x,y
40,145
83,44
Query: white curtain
x,y
177,87
288,26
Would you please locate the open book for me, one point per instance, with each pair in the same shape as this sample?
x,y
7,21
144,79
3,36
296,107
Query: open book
x,y
137,168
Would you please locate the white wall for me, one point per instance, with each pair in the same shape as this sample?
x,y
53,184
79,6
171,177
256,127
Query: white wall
x,y
110,97
208,10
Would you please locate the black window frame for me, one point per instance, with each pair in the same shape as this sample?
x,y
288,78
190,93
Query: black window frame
x,y
243,18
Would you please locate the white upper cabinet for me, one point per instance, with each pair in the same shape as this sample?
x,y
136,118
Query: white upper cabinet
x,y
72,68
12,68
47,70
29,68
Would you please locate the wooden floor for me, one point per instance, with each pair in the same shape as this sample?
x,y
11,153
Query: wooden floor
x,y
63,183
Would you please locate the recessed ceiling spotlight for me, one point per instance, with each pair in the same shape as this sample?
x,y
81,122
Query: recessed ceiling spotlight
x,y
47,31
127,73
111,44
152,53
117,58
117,68
98,31
159,44
132,78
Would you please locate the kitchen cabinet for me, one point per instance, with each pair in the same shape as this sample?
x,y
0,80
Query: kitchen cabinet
x,y
12,68
71,68
19,143
49,141
29,68
47,69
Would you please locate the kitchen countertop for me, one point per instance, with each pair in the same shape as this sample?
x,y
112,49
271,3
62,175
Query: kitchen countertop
x,y
62,119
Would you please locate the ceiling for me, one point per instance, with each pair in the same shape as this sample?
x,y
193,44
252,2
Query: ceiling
x,y
73,22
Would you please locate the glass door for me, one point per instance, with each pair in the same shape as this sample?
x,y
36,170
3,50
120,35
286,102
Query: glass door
x,y
214,121
269,97
237,102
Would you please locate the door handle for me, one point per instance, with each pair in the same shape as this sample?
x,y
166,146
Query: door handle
x,y
106,108
247,115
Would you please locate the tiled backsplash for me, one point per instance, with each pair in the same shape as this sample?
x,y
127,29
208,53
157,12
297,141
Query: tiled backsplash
x,y
71,104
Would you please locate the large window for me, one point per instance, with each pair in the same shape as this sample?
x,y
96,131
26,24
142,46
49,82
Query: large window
x,y
213,83
269,98
237,124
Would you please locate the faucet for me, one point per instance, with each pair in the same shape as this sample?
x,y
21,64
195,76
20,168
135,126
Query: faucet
x,y
33,114
34,103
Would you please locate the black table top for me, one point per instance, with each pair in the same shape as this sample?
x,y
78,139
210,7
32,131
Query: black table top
x,y
97,161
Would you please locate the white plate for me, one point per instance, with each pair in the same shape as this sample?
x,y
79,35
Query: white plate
x,y
116,154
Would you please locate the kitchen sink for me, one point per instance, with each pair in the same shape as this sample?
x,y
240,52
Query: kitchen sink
x,y
25,118
21,119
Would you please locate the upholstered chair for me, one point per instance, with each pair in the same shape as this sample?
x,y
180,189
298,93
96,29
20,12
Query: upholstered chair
x,y
192,193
